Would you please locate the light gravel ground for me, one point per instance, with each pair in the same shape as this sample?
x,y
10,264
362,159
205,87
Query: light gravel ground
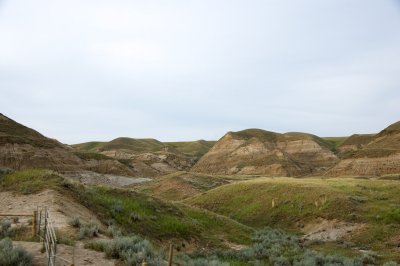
x,y
91,178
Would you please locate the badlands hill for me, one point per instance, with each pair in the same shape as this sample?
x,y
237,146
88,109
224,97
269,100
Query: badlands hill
x,y
370,155
22,147
256,151
126,147
259,152
149,157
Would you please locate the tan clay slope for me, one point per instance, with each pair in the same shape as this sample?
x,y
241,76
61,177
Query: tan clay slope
x,y
256,151
371,155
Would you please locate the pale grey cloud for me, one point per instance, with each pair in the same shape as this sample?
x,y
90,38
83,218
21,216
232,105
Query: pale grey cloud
x,y
181,70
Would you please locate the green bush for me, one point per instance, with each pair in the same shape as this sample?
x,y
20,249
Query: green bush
x,y
75,222
390,263
131,250
113,231
278,248
5,228
88,231
97,245
13,256
211,261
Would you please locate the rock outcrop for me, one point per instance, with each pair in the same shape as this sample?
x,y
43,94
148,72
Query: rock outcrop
x,y
255,151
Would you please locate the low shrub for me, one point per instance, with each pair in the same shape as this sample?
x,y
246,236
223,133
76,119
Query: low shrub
x,y
75,222
12,256
5,228
278,248
131,250
113,231
97,245
213,261
88,231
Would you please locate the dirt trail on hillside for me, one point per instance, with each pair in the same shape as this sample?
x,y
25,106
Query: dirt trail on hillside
x,y
61,208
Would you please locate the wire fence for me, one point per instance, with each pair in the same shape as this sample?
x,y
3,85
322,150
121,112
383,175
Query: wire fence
x,y
47,235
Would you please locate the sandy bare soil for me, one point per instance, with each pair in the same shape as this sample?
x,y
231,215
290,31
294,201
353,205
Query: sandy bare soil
x,y
92,178
82,256
329,230
61,208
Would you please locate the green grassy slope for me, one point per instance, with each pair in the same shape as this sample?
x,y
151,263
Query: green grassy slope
x,y
135,212
192,148
335,142
181,185
92,146
375,203
358,139
134,145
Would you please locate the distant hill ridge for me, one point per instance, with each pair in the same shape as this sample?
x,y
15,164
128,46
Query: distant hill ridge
x,y
256,151
246,152
192,149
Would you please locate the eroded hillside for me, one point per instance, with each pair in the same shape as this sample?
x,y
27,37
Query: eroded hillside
x,y
257,151
370,155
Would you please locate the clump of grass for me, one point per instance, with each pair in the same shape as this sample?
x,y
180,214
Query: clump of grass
x,y
135,217
210,261
113,231
75,222
117,208
5,228
130,250
64,239
11,256
88,231
276,247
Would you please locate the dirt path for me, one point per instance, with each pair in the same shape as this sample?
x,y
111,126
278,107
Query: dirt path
x,y
82,256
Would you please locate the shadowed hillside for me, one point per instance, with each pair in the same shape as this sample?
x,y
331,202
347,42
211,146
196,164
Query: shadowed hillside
x,y
22,147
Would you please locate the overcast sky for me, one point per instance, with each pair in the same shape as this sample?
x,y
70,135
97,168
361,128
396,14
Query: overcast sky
x,y
81,70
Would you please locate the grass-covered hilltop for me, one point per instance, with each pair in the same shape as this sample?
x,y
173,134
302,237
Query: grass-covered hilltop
x,y
253,197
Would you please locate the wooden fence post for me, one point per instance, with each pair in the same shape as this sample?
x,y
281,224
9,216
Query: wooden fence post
x,y
34,224
171,254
